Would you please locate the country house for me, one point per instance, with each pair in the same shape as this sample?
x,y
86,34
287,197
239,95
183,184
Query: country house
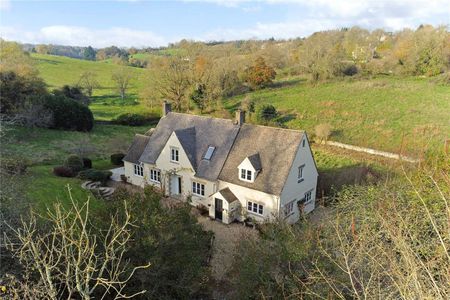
x,y
235,170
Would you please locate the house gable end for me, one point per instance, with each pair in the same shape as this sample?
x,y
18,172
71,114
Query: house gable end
x,y
164,159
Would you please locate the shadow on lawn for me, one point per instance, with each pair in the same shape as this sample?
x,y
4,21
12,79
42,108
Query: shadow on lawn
x,y
286,83
114,99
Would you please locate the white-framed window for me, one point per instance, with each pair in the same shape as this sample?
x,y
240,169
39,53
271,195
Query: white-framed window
x,y
155,175
303,142
308,196
289,208
174,155
246,175
300,174
255,208
138,170
198,188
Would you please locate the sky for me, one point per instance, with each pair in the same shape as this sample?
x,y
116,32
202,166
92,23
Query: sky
x,y
145,23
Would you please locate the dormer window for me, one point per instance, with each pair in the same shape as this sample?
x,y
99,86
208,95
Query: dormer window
x,y
249,168
174,155
246,175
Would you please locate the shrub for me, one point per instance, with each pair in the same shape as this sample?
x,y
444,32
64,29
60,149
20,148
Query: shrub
x,y
266,112
130,119
14,166
350,70
116,159
323,132
95,175
87,163
204,211
74,162
67,113
73,92
63,171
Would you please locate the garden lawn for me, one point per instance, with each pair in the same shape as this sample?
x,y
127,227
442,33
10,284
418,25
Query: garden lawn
x,y
386,113
53,146
43,188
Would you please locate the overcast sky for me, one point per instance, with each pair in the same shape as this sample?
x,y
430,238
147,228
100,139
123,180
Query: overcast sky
x,y
142,23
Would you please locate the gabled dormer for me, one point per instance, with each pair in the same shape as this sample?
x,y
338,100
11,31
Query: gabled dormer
x,y
249,168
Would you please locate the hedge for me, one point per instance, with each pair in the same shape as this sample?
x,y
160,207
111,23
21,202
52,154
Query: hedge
x,y
68,114
87,163
116,159
74,162
95,175
130,119
63,171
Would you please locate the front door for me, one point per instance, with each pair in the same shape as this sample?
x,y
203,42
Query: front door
x,y
219,208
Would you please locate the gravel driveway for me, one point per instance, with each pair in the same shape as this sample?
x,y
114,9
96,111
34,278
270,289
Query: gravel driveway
x,y
224,247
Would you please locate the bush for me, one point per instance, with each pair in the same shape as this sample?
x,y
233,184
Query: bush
x,y
95,175
14,166
350,70
74,162
130,119
323,132
67,113
266,112
87,163
63,171
116,159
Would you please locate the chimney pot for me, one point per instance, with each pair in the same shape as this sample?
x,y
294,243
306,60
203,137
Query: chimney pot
x,y
166,108
240,117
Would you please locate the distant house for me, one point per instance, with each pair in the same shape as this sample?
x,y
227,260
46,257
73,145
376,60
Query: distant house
x,y
234,169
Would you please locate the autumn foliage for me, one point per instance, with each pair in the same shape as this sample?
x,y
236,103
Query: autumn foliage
x,y
259,75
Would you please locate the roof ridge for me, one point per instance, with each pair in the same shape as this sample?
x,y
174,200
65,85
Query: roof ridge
x,y
250,124
277,128
200,116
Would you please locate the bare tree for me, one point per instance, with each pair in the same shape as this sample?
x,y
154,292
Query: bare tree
x,y
122,78
69,258
35,115
88,82
170,79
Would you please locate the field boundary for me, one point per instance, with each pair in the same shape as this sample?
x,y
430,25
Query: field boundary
x,y
373,151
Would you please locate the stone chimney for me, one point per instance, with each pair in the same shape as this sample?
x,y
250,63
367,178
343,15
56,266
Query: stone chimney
x,y
166,108
240,117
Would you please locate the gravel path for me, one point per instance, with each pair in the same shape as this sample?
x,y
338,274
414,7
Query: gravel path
x,y
224,247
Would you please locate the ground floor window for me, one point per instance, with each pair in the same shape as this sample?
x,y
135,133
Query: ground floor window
x,y
255,208
308,196
289,208
198,188
155,175
138,170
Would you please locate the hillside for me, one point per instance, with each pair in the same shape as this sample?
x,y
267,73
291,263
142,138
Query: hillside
x,y
58,71
419,108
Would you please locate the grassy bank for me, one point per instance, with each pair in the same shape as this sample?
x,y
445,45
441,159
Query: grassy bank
x,y
385,113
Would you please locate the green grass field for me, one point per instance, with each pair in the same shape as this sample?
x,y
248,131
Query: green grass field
x,y
385,113
106,102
